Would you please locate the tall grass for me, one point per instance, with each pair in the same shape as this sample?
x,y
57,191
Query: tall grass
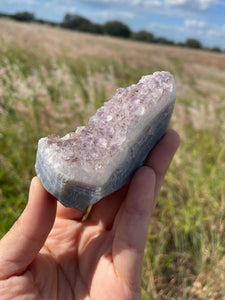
x,y
44,91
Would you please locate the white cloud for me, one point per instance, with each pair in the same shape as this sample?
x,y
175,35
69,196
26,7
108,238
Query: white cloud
x,y
27,2
99,3
210,35
195,14
187,4
59,7
195,24
205,4
166,7
106,15
203,28
154,3
192,5
175,2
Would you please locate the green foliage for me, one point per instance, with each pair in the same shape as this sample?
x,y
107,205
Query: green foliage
x,y
41,94
113,28
117,28
193,43
24,16
144,36
80,23
164,41
216,49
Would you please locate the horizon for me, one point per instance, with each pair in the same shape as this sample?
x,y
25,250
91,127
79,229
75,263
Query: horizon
x,y
176,20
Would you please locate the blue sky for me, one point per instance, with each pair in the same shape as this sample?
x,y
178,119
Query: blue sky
x,y
173,19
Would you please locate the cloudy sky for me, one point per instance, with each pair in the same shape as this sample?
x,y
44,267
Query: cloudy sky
x,y
173,19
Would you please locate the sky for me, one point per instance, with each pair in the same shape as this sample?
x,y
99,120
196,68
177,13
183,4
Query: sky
x,y
177,20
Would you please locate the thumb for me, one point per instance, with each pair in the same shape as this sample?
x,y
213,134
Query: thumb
x,y
27,236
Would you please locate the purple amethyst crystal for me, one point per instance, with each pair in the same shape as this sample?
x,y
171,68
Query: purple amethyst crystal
x,y
95,160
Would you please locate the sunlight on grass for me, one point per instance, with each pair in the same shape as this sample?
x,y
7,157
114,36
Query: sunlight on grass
x,y
46,89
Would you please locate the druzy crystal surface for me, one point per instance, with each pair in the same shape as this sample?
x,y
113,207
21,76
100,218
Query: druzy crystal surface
x,y
97,159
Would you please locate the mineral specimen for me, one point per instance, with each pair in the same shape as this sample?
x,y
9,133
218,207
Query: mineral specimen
x,y
95,160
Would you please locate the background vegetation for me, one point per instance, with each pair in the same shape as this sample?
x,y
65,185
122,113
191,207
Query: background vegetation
x,y
112,28
53,79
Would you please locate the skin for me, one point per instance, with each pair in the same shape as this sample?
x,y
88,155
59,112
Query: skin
x,y
50,253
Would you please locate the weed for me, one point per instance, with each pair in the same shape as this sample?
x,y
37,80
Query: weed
x,y
52,87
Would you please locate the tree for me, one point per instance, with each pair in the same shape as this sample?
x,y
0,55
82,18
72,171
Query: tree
x,y
117,28
144,36
193,43
165,41
24,16
80,23
76,22
216,49
96,28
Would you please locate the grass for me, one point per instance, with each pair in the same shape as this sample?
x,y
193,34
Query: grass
x,y
52,80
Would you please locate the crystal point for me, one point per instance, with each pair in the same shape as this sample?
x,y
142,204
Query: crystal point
x,y
94,161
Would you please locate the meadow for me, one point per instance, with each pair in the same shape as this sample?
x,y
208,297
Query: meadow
x,y
52,80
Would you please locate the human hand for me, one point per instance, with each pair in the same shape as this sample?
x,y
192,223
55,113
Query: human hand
x,y
51,254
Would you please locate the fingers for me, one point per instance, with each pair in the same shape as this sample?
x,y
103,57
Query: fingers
x,y
132,221
69,213
132,227
104,211
160,157
27,236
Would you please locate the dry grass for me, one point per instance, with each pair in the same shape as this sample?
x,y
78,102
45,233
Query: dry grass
x,y
52,79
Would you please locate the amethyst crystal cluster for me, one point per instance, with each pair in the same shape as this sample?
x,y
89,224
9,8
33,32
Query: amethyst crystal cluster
x,y
95,160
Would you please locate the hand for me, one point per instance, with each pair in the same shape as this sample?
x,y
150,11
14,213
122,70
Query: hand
x,y
51,254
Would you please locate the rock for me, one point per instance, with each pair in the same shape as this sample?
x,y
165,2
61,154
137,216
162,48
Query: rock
x,y
96,160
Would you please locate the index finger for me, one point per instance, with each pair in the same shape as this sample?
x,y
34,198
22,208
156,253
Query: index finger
x,y
161,155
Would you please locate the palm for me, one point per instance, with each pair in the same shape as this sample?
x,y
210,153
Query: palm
x,y
98,258
78,257
83,259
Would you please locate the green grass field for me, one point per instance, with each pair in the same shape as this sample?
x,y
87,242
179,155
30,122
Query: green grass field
x,y
52,80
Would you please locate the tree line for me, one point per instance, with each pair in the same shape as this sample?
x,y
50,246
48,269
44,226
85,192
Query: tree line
x,y
112,28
